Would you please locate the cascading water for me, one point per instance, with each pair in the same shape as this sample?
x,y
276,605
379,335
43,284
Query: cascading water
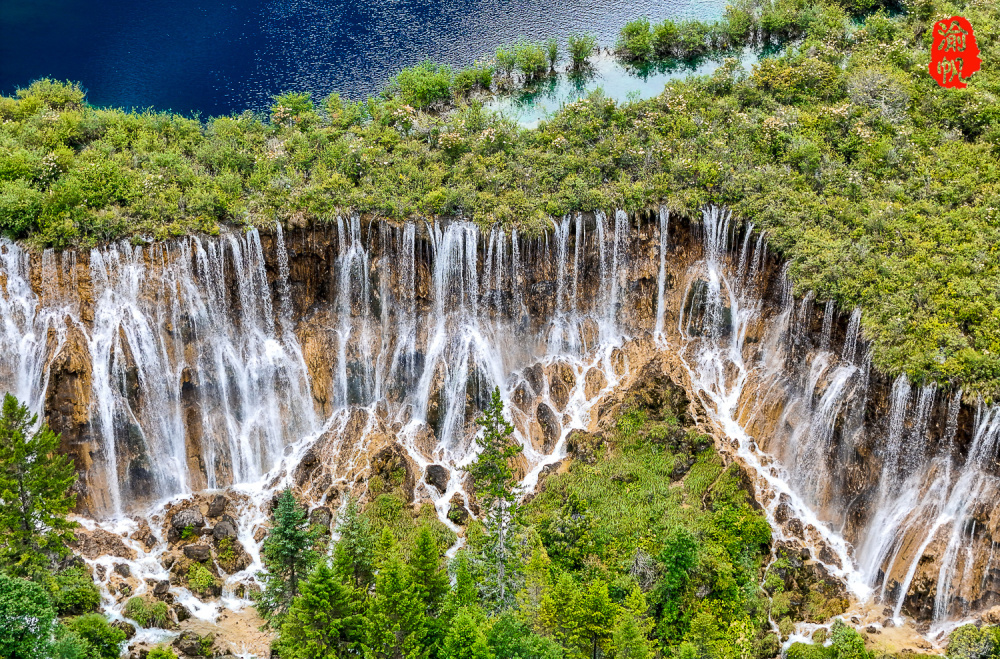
x,y
202,375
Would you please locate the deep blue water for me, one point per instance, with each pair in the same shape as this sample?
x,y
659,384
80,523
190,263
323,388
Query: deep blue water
x,y
218,57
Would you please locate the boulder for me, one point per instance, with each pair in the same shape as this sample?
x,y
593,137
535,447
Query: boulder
x,y
123,570
321,517
437,476
188,644
226,528
188,517
218,506
562,379
584,446
594,381
457,512
161,588
126,627
550,428
200,553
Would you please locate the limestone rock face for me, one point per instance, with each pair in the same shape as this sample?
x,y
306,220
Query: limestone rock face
x,y
97,543
547,428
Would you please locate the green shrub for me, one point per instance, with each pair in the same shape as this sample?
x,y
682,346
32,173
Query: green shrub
x,y
27,618
200,580
531,59
808,651
102,640
68,645
20,204
506,60
636,41
189,533
74,592
580,47
972,642
161,652
847,643
146,612
423,85
474,77
552,51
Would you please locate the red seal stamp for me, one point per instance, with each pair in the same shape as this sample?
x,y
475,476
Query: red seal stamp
x,y
954,53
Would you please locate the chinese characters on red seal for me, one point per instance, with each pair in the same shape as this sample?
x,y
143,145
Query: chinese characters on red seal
x,y
954,52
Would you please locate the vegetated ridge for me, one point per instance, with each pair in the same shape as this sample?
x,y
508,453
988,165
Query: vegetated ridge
x,y
879,186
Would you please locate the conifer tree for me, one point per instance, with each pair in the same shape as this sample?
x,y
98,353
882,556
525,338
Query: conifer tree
x,y
464,592
628,641
465,639
537,582
559,614
354,553
497,490
429,580
324,621
396,620
288,556
35,482
597,615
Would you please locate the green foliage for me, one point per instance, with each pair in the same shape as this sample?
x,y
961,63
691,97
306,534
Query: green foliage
x,y
397,621
636,40
496,488
877,185
101,639
423,85
506,60
324,620
73,592
429,579
189,533
68,645
531,59
26,619
200,580
580,47
465,638
161,652
287,554
148,613
35,482
552,51
353,555
972,642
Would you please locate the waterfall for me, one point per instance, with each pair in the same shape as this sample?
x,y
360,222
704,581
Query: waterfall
x,y
661,279
26,322
202,375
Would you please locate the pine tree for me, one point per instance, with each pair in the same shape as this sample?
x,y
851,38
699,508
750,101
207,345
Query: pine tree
x,y
429,580
354,553
559,614
464,592
537,582
396,620
465,639
35,482
630,637
288,555
497,489
597,614
324,620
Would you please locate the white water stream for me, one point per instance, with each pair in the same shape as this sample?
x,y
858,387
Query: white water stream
x,y
199,381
